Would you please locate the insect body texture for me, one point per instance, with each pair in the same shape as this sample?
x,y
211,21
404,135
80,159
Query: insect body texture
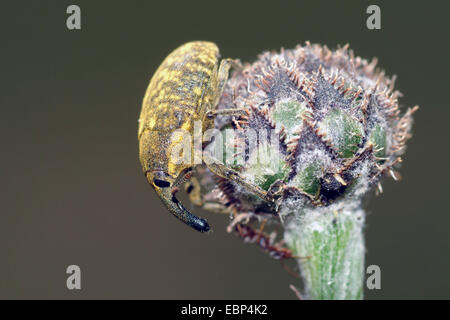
x,y
184,89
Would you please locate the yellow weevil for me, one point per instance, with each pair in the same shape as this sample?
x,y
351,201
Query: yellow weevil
x,y
185,88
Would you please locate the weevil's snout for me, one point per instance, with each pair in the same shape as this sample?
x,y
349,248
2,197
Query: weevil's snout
x,y
184,215
164,187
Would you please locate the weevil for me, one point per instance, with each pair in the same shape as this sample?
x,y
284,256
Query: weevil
x,y
185,88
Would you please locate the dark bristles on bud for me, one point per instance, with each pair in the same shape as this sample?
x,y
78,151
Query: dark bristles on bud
x,y
321,129
336,116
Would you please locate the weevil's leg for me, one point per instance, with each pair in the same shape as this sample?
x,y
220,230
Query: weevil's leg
x,y
193,190
226,112
222,76
227,173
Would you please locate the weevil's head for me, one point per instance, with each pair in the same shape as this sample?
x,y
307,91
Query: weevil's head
x,y
162,174
155,154
164,185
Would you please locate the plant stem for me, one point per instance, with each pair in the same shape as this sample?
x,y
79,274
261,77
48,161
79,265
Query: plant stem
x,y
330,242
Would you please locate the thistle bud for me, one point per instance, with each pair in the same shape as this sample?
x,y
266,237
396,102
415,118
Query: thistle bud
x,y
322,128
336,117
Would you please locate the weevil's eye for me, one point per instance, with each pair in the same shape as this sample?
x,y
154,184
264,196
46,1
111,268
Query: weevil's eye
x,y
161,183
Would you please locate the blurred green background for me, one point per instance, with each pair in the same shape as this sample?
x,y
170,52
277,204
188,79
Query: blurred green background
x,y
72,190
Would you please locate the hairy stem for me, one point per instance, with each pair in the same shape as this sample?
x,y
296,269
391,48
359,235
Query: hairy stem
x,y
330,243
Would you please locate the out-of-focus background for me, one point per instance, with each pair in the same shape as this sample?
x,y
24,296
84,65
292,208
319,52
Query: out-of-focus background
x,y
72,190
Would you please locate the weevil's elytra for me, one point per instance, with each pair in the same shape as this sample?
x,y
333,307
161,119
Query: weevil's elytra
x,y
185,88
177,90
